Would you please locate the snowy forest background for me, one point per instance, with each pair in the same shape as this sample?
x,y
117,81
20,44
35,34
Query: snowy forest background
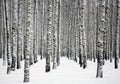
x,y
75,40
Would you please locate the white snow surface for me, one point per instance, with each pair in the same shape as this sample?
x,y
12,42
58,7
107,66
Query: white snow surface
x,y
69,72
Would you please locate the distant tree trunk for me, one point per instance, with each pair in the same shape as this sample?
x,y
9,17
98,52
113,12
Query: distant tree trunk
x,y
118,29
8,36
35,33
45,28
54,33
1,27
49,27
100,33
4,35
114,19
88,26
115,53
32,26
22,28
42,30
111,29
75,32
94,10
19,34
105,38
58,31
27,39
14,34
107,10
80,35
83,34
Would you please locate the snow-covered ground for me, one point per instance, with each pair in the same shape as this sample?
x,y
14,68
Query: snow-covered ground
x,y
68,72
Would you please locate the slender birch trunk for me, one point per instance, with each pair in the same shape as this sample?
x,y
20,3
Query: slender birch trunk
x,y
28,39
8,36
49,27
14,33
100,33
19,34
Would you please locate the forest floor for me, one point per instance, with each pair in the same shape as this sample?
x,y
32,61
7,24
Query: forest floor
x,y
68,72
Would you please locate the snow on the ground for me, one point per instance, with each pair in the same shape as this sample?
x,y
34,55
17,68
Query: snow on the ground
x,y
68,72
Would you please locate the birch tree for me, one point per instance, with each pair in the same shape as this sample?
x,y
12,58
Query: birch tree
x,y
27,39
58,31
8,35
14,33
19,34
1,27
49,27
4,35
80,35
35,32
115,53
83,34
100,33
55,17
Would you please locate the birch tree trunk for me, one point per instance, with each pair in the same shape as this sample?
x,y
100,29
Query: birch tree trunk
x,y
58,31
28,39
49,27
83,34
35,33
100,33
111,29
6,2
116,4
1,27
80,34
4,35
55,17
19,34
14,33
118,28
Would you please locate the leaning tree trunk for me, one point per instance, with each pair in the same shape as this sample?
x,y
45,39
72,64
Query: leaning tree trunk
x,y
100,33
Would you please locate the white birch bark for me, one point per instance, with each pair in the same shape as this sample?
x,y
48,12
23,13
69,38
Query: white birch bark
x,y
58,35
35,33
55,17
4,36
1,27
8,35
100,33
49,27
14,33
83,34
28,39
118,47
80,34
19,34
